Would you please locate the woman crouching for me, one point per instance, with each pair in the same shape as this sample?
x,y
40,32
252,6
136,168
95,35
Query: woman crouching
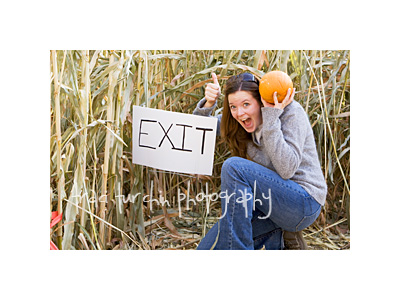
x,y
272,186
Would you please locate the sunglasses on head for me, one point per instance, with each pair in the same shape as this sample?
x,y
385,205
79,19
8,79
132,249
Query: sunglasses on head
x,y
248,77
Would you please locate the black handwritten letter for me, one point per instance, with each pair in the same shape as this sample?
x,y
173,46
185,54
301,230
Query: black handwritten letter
x,y
144,133
204,137
166,135
183,138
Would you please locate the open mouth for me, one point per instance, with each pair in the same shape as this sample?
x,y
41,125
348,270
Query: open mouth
x,y
247,123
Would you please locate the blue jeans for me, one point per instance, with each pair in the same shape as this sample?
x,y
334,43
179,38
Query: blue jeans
x,y
257,205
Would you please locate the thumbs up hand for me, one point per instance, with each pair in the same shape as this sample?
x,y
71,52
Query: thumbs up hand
x,y
213,91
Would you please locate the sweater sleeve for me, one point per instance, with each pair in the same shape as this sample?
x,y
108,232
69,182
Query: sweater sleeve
x,y
284,135
200,110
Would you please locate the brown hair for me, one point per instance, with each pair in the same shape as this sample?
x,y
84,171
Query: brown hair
x,y
233,133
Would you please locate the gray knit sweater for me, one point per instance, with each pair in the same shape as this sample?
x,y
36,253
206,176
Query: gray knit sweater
x,y
284,143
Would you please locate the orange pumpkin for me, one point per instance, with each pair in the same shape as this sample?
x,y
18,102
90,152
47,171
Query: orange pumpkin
x,y
275,81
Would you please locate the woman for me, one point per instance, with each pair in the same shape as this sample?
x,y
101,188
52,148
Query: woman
x,y
273,184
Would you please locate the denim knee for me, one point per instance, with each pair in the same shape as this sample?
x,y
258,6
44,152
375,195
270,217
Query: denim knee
x,y
230,165
309,219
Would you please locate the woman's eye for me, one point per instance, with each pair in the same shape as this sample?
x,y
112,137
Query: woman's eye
x,y
246,104
233,107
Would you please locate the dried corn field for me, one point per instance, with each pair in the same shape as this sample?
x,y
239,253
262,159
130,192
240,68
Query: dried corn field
x,y
100,200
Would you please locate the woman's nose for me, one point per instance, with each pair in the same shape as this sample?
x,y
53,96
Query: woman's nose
x,y
240,112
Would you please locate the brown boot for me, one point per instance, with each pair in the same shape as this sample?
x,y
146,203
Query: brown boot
x,y
294,240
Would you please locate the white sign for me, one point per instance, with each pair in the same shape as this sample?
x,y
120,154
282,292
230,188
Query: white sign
x,y
173,141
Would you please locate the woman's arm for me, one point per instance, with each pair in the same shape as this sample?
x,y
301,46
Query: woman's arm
x,y
202,110
284,135
284,132
206,105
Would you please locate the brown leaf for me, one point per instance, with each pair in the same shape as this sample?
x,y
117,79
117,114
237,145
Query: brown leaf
x,y
263,58
168,222
176,78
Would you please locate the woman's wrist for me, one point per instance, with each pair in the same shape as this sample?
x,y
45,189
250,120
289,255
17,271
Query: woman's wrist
x,y
208,104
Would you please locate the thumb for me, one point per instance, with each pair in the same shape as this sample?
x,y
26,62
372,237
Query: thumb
x,y
215,79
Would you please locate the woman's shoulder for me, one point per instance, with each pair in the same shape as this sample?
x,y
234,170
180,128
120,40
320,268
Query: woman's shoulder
x,y
294,112
294,108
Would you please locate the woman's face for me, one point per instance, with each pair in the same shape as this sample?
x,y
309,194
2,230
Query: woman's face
x,y
245,109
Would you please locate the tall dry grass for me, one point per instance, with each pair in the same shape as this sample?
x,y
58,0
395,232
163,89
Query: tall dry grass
x,y
92,174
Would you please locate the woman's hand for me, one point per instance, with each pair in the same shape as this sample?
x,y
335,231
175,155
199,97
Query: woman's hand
x,y
213,91
288,99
